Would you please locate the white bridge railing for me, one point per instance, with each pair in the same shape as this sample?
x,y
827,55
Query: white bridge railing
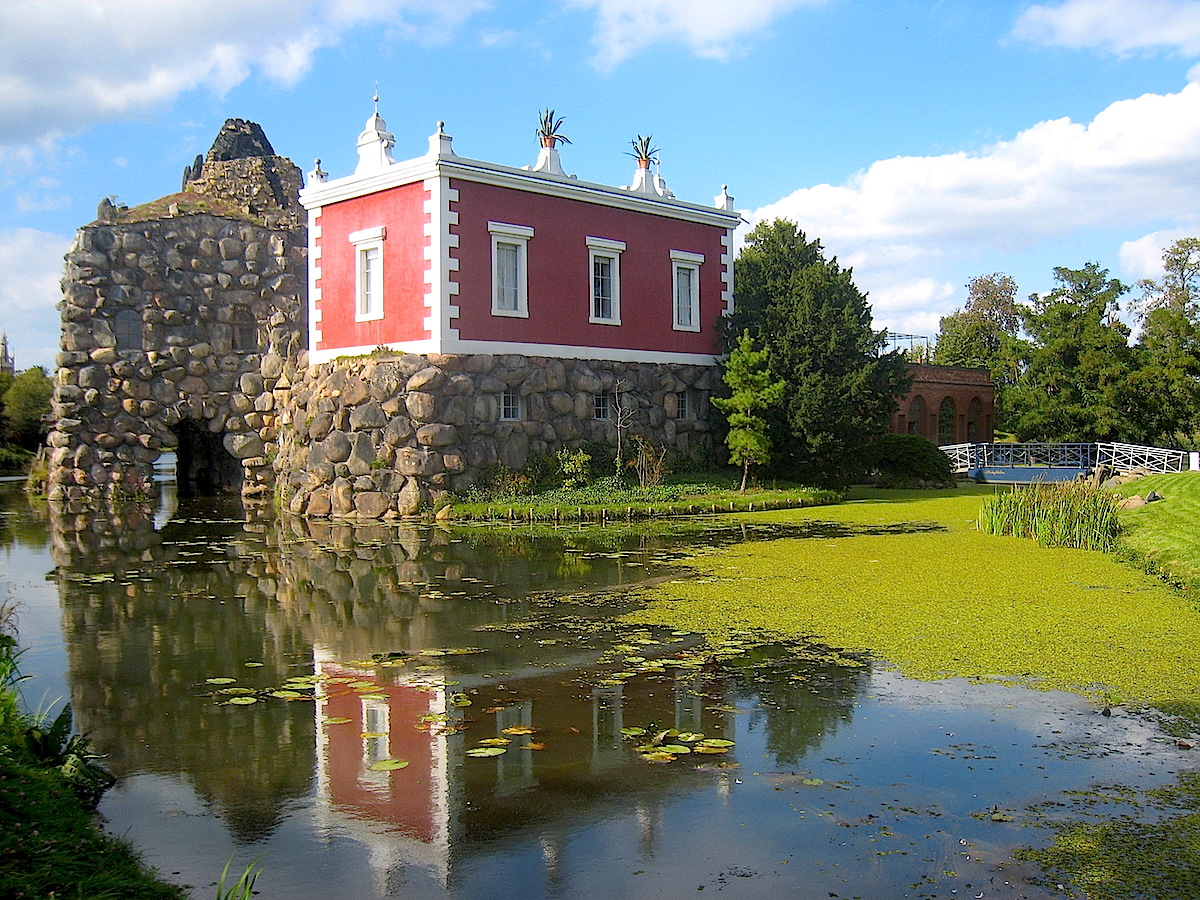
x,y
1120,457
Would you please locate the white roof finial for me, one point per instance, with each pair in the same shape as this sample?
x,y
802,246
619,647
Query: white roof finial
x,y
440,143
375,144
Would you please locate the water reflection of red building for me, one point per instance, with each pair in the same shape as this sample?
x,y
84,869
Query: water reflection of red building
x,y
442,803
357,727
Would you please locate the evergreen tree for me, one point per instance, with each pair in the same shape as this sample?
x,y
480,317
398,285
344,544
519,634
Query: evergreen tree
x,y
752,389
1076,386
806,311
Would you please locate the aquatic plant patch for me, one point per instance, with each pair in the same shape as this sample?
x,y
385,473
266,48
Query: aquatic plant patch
x,y
920,587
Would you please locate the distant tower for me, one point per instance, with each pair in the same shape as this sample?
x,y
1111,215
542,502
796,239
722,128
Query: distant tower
x,y
7,364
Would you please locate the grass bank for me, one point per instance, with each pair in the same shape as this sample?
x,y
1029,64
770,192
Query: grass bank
x,y
612,500
908,578
51,844
1167,533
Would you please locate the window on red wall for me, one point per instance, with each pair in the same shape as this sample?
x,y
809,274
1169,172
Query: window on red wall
x,y
368,279
510,280
685,280
605,258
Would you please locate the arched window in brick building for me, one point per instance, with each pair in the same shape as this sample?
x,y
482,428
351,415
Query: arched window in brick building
x,y
917,415
127,329
975,423
245,331
946,416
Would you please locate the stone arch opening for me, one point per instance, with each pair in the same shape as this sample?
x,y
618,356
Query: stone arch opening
x,y
947,413
916,416
203,467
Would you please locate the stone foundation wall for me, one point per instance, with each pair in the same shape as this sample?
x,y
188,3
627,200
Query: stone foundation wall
x,y
219,305
380,436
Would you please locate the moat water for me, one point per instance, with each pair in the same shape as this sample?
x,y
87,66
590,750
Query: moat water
x,y
309,696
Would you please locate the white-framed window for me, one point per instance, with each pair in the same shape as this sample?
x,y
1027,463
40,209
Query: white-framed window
x,y
685,287
510,406
683,409
604,258
368,273
600,407
510,269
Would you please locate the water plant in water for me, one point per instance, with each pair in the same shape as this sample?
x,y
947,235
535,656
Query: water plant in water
x,y
243,888
1062,514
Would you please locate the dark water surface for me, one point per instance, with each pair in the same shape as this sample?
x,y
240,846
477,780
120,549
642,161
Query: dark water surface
x,y
350,646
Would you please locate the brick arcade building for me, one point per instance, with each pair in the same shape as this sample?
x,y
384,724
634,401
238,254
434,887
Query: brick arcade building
x,y
948,405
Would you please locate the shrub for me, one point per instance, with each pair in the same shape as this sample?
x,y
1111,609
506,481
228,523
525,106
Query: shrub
x,y
908,460
575,467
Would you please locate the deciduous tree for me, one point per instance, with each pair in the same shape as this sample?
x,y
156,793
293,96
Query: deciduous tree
x,y
26,402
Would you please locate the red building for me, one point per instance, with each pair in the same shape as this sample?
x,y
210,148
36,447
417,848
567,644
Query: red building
x,y
447,255
948,405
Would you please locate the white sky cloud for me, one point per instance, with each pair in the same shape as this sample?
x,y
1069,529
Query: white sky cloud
x,y
1118,26
67,65
32,262
902,218
709,28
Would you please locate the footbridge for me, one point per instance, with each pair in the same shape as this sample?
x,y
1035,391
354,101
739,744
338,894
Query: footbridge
x,y
1026,463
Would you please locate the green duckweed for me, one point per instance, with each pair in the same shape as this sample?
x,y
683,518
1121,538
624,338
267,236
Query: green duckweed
x,y
908,578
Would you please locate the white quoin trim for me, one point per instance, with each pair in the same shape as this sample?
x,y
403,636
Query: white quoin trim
x,y
727,271
441,272
314,278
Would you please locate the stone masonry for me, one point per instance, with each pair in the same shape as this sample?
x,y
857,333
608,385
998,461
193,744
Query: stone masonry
x,y
379,436
179,321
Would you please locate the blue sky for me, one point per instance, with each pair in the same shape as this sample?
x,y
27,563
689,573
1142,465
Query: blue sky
x,y
922,142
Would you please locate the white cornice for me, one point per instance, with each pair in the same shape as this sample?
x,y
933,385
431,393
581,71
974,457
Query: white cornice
x,y
419,169
560,351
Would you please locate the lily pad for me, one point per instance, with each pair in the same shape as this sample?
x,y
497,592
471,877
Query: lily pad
x,y
285,694
242,701
534,745
251,664
520,729
388,765
689,737
219,680
658,756
716,742
460,701
633,731
677,749
496,742
709,750
486,751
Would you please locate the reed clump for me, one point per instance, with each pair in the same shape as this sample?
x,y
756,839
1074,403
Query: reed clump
x,y
1061,514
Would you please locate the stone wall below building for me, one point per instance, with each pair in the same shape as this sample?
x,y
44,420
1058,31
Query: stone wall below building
x,y
381,436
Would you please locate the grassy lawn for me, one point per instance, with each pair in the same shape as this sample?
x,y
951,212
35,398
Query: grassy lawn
x,y
1167,532
907,577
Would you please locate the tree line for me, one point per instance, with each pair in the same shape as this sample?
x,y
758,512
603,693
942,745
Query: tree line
x,y
1067,368
809,389
24,407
